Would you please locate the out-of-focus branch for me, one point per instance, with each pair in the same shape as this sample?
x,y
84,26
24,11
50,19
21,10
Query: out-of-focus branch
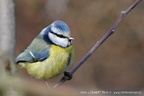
x,y
56,8
22,86
98,43
7,46
7,35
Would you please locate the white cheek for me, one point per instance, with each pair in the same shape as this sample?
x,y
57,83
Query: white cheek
x,y
54,29
58,41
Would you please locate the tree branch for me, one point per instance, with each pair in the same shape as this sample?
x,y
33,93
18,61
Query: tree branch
x,y
98,43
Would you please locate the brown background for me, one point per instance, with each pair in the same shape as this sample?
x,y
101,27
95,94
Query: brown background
x,y
117,65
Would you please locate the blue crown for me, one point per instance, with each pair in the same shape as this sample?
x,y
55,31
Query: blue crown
x,y
61,26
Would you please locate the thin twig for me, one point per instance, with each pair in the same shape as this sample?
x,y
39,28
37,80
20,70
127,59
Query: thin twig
x,y
98,43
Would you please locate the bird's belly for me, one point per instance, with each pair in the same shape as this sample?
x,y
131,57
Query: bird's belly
x,y
54,65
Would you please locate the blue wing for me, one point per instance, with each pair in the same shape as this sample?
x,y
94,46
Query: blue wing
x,y
31,56
38,50
40,56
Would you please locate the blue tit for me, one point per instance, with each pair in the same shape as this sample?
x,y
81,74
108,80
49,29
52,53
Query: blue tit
x,y
50,53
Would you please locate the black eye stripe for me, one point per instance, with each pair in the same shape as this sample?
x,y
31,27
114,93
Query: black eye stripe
x,y
61,36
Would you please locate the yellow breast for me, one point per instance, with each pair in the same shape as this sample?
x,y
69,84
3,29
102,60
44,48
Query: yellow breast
x,y
54,65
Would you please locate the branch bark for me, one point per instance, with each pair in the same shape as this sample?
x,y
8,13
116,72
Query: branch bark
x,y
98,43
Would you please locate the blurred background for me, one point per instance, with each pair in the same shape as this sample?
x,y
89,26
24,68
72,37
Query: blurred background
x,y
117,65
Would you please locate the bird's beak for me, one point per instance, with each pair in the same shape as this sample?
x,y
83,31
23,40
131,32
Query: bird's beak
x,y
71,38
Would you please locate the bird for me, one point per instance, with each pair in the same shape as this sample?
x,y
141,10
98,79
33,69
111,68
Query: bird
x,y
50,53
